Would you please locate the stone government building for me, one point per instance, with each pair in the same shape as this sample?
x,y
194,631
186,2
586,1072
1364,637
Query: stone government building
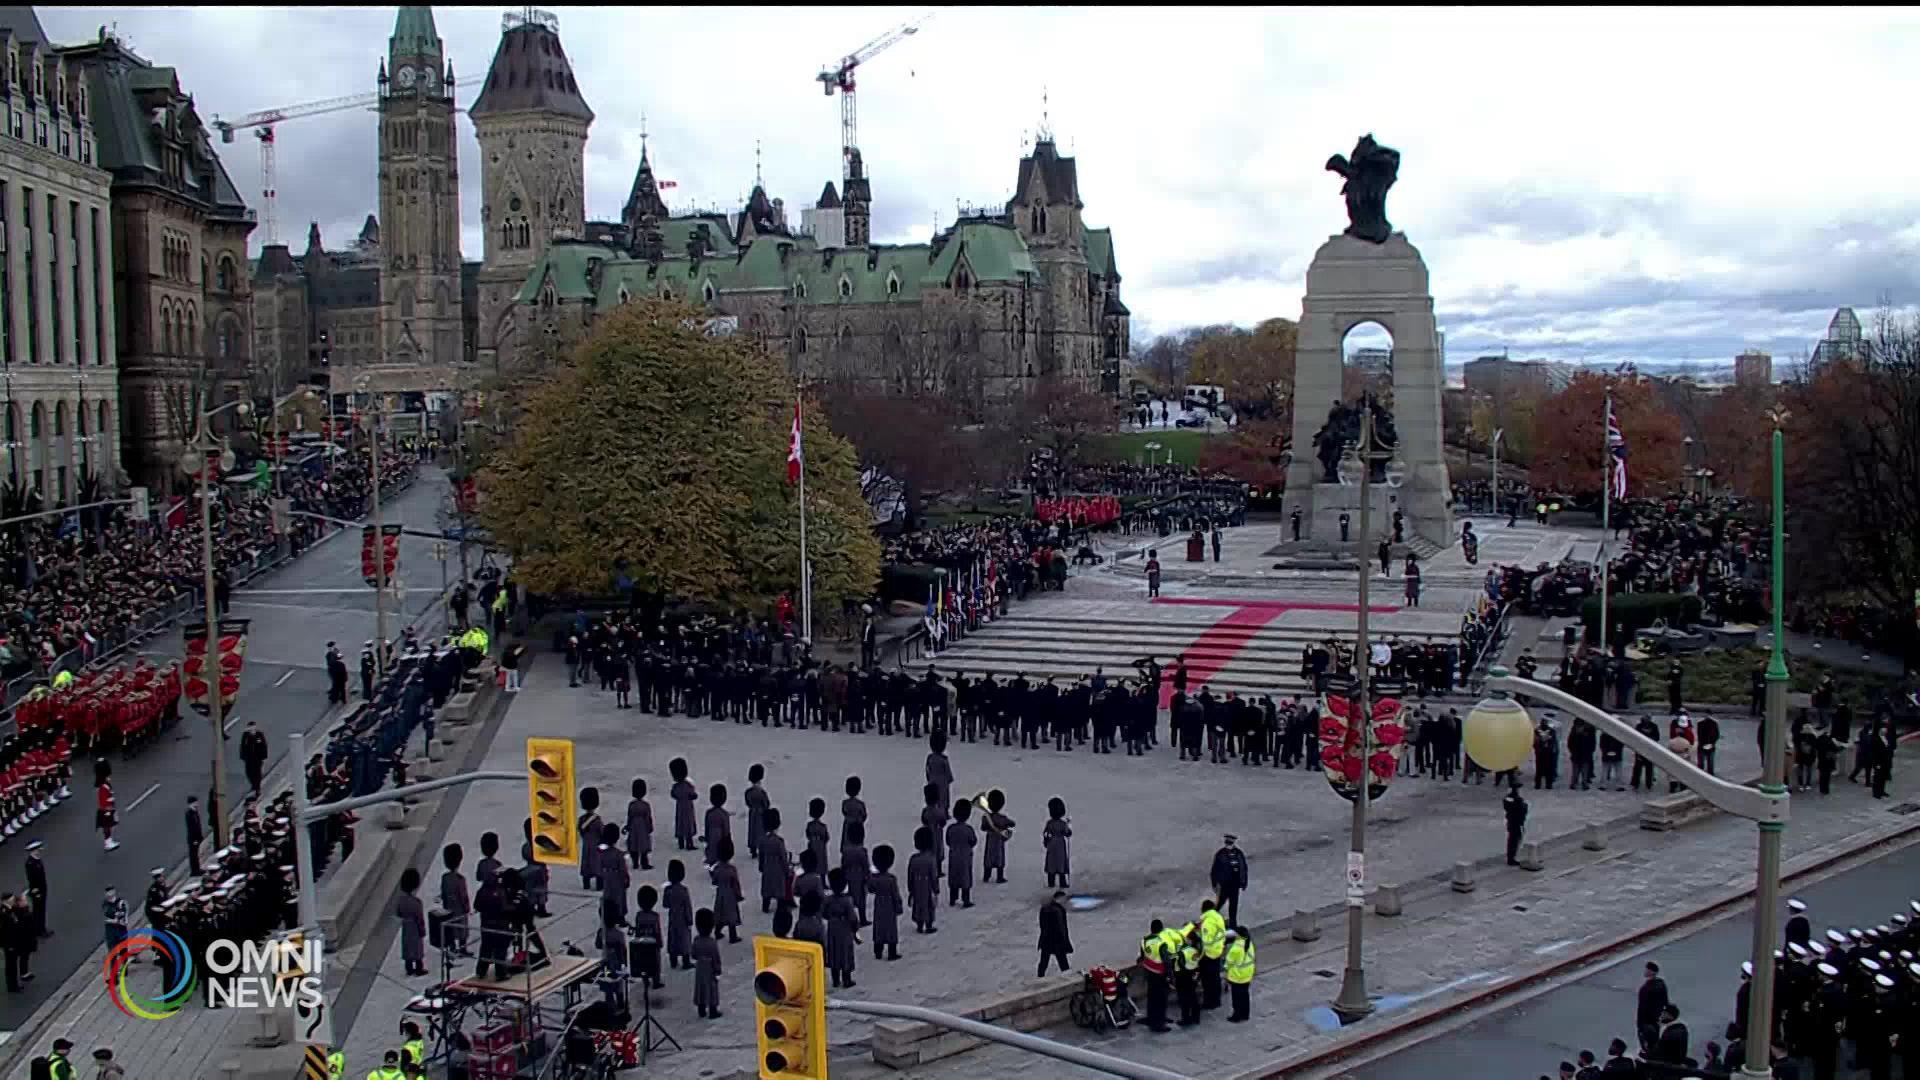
x,y
994,300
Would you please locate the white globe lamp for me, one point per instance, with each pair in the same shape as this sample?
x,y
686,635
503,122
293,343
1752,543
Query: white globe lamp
x,y
1499,733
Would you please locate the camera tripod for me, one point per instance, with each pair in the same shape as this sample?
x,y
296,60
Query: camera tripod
x,y
653,1034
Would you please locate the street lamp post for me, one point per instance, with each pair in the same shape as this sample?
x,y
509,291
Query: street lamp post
x,y
1773,775
1352,1004
1498,433
206,454
1498,736
379,535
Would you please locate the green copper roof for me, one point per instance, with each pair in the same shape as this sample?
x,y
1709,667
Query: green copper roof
x,y
413,33
794,266
1099,245
994,251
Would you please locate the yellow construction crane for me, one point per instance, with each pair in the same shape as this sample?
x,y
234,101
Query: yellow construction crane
x,y
840,77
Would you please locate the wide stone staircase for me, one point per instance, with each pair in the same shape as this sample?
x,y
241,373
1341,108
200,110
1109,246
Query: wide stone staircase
x,y
1248,658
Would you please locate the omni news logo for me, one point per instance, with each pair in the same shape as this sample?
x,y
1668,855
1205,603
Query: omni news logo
x,y
237,974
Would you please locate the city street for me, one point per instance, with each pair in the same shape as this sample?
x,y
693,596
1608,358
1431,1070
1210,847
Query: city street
x,y
295,611
1702,972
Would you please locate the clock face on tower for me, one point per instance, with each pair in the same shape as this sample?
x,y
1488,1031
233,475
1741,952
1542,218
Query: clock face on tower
x,y
430,79
405,78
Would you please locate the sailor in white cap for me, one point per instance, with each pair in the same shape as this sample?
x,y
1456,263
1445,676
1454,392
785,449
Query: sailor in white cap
x,y
1798,928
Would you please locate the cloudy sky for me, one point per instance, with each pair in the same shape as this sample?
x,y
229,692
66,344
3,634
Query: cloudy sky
x,y
1586,185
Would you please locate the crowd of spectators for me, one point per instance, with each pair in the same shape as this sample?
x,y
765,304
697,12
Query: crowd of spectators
x,y
1708,545
65,585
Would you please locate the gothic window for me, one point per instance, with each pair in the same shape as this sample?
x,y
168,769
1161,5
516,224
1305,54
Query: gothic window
x,y
547,295
442,300
166,328
1033,217
893,284
1043,219
223,342
105,419
962,282
506,234
846,287
406,305
845,338
192,329
227,278
625,295
800,293
800,340
526,234
706,292
38,420
59,419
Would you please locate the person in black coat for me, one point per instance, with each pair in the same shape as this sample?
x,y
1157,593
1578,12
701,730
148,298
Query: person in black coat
x,y
1055,944
1515,807
195,834
253,754
1652,1001
1674,1041
336,675
1229,876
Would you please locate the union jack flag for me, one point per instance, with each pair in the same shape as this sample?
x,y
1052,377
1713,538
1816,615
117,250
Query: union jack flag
x,y
1617,450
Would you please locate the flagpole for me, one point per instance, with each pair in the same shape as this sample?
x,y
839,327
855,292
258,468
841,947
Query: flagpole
x,y
1606,516
806,577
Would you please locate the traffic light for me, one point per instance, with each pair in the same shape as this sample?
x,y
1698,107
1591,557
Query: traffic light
x,y
790,1005
556,839
383,545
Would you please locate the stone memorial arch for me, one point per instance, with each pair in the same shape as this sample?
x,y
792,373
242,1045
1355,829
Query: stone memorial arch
x,y
1369,273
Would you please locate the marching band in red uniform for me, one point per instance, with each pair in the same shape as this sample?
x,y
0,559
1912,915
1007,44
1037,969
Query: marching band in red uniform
x,y
1079,510
123,706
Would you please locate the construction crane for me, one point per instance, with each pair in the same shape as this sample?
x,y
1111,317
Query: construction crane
x,y
840,77
262,124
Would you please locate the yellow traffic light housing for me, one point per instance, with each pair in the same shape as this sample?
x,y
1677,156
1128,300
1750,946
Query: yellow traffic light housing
x,y
790,1006
556,837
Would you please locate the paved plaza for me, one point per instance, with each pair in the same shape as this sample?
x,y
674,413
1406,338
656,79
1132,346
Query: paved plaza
x,y
1144,834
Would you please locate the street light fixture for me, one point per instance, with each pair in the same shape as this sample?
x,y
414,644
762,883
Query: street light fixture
x,y
1352,1003
203,455
1491,729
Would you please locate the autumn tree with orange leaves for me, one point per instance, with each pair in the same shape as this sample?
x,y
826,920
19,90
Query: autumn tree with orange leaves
x,y
1569,436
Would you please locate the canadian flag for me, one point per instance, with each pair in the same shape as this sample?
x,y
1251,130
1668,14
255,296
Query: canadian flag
x,y
793,448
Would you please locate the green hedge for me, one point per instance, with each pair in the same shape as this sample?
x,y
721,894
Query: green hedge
x,y
1637,611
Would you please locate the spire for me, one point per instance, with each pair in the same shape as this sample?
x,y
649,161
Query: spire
x,y
1046,123
414,33
313,238
757,182
643,200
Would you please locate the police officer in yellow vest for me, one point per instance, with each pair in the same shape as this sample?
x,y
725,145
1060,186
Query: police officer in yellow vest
x,y
336,1066
62,680
1154,958
1213,950
1239,973
389,1069
1186,984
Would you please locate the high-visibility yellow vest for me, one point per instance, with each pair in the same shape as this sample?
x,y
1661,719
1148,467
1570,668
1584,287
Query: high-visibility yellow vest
x,y
337,1066
1240,962
1213,934
415,1050
63,680
1189,958
500,600
1150,954
1171,942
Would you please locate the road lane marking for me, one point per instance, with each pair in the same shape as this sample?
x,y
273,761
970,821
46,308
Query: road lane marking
x,y
135,804
282,680
228,726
